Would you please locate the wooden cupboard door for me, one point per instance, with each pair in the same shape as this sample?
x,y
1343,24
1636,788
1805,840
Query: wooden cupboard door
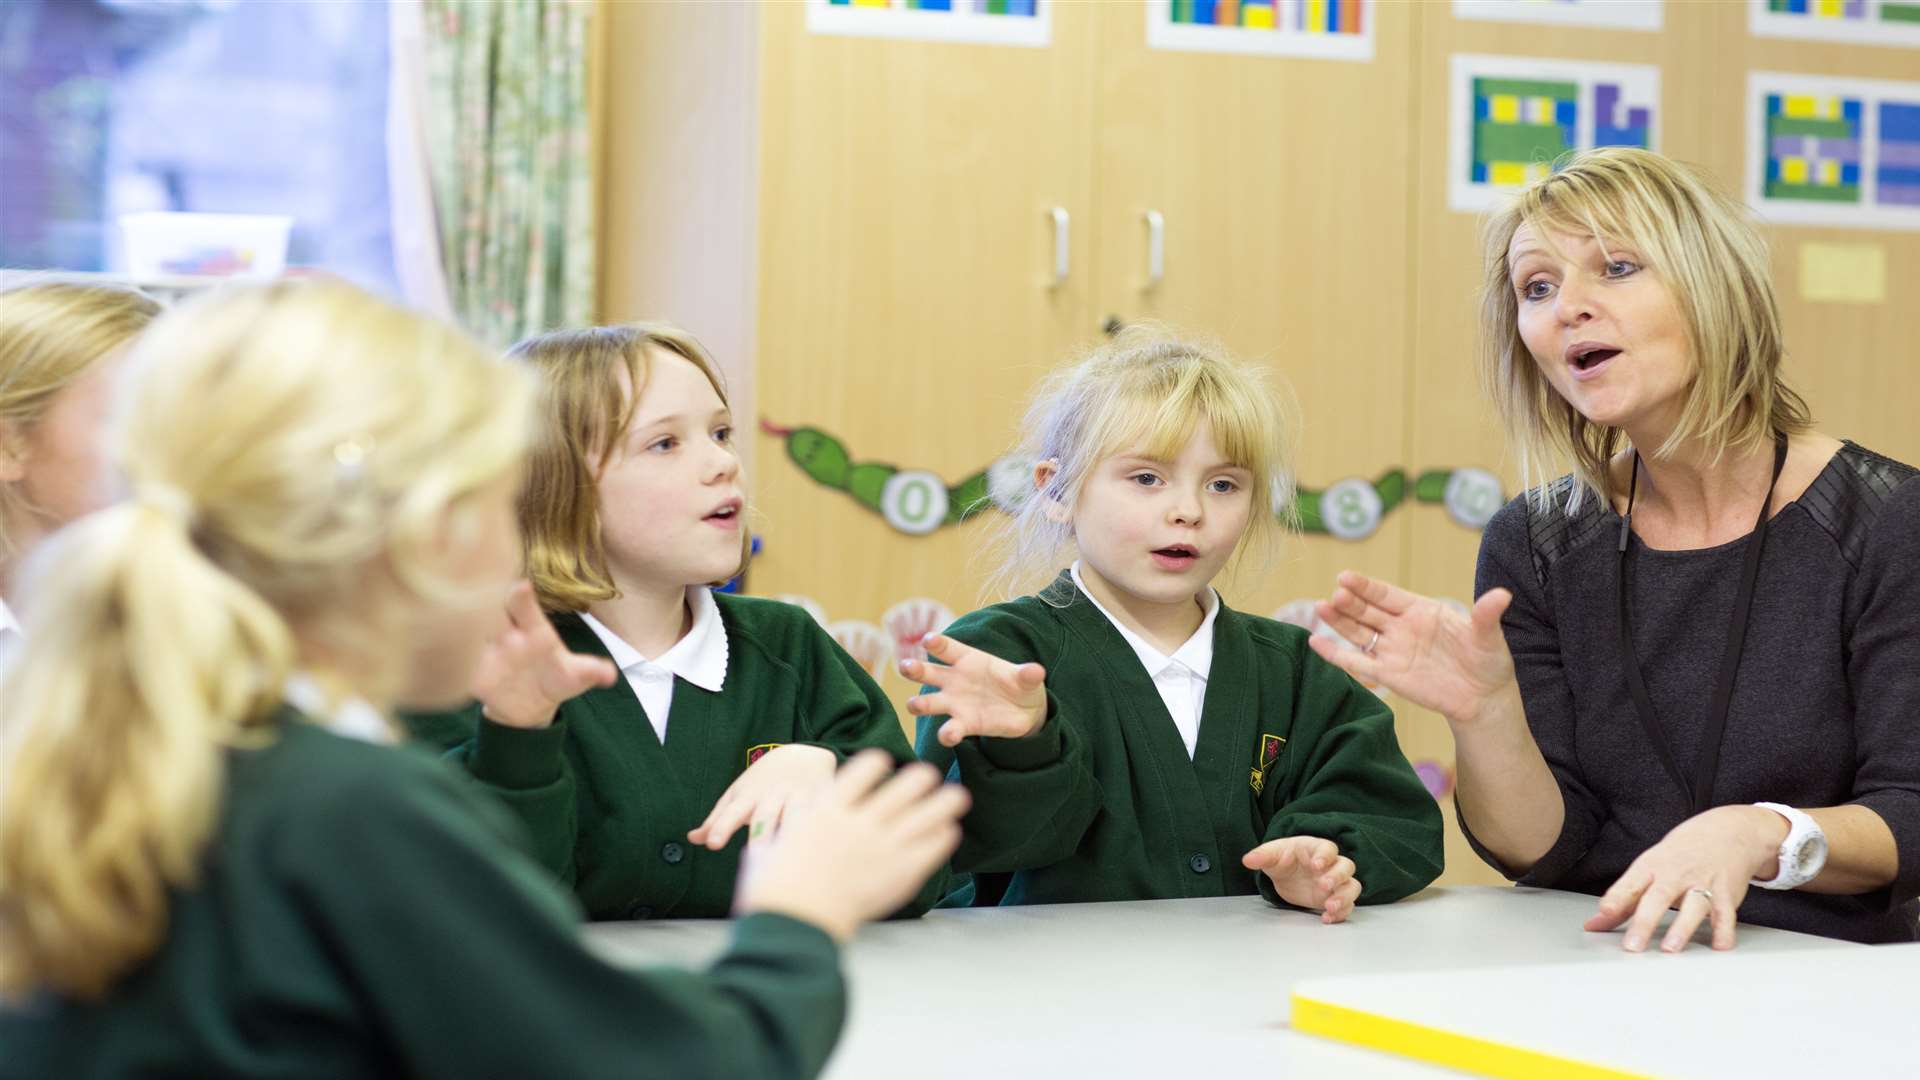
x,y
1284,186
907,290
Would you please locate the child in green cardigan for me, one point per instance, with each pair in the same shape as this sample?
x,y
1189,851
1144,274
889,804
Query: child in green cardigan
x,y
1124,733
211,861
639,723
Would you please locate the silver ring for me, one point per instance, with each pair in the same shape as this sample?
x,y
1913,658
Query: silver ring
x,y
1376,640
1707,893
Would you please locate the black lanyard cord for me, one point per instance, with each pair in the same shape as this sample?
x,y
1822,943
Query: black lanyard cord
x,y
1700,790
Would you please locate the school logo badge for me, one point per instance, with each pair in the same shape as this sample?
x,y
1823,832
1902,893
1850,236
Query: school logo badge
x,y
1269,753
755,753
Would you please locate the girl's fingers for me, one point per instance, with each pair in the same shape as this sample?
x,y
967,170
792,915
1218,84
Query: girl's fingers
x,y
946,804
906,787
727,820
934,675
930,705
862,773
523,609
766,821
946,650
590,671
1030,677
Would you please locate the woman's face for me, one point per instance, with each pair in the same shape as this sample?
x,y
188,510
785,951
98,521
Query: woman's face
x,y
61,470
1603,329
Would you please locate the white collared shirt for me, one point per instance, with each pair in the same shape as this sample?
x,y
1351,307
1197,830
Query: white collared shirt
x,y
1181,678
700,657
352,717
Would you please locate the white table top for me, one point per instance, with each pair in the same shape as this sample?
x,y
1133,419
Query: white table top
x,y
1846,1011
1161,987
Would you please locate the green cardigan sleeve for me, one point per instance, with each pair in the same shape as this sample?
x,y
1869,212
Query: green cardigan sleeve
x,y
472,960
1347,781
1033,797
525,768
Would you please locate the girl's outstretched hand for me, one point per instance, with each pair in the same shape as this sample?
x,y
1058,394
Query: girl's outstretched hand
x,y
527,672
978,693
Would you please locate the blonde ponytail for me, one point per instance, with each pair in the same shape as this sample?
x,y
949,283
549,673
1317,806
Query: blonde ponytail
x,y
285,446
103,818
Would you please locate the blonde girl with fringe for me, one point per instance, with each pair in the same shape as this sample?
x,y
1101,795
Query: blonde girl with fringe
x,y
644,725
1694,664
1124,733
60,349
212,863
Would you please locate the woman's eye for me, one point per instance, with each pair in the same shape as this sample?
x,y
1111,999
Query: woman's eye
x,y
1536,290
1621,268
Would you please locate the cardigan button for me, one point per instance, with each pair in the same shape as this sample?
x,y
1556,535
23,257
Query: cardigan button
x,y
1200,863
673,853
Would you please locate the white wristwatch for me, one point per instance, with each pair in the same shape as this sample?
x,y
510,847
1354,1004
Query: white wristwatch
x,y
1802,853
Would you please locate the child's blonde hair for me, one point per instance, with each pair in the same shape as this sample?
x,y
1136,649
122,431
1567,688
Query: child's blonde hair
x,y
51,332
585,415
1698,242
1147,391
287,446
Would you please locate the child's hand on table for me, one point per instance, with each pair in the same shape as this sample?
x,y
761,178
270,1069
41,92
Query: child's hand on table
x,y
1308,872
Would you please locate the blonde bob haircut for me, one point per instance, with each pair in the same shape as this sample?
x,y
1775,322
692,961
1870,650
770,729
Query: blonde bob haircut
x,y
1147,391
301,455
51,332
1703,246
585,416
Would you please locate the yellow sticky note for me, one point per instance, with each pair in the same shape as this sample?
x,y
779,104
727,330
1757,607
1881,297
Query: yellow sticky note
x,y
1843,273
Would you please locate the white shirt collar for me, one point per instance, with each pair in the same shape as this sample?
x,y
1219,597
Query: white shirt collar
x,y
11,633
1196,654
700,657
352,718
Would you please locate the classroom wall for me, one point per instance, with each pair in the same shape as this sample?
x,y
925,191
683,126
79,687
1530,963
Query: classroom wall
x,y
860,228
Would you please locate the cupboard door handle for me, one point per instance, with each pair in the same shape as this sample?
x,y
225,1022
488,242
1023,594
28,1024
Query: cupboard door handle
x,y
1062,244
1156,247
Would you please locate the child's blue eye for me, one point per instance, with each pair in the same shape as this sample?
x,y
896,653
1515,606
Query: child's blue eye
x,y
723,435
1145,479
1224,486
663,444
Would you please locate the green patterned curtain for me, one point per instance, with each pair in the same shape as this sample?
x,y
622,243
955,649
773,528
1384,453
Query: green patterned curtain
x,y
508,146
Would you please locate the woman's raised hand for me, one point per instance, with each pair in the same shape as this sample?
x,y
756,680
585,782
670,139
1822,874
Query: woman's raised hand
x,y
1432,655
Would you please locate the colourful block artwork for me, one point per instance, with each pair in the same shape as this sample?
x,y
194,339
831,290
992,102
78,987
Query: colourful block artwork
x,y
1865,22
1519,127
1333,29
1028,8
1302,16
986,22
1615,14
1813,148
1618,124
1828,150
1512,118
1897,175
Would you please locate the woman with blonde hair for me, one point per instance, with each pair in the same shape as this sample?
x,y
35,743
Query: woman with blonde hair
x,y
1694,664
211,864
60,344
